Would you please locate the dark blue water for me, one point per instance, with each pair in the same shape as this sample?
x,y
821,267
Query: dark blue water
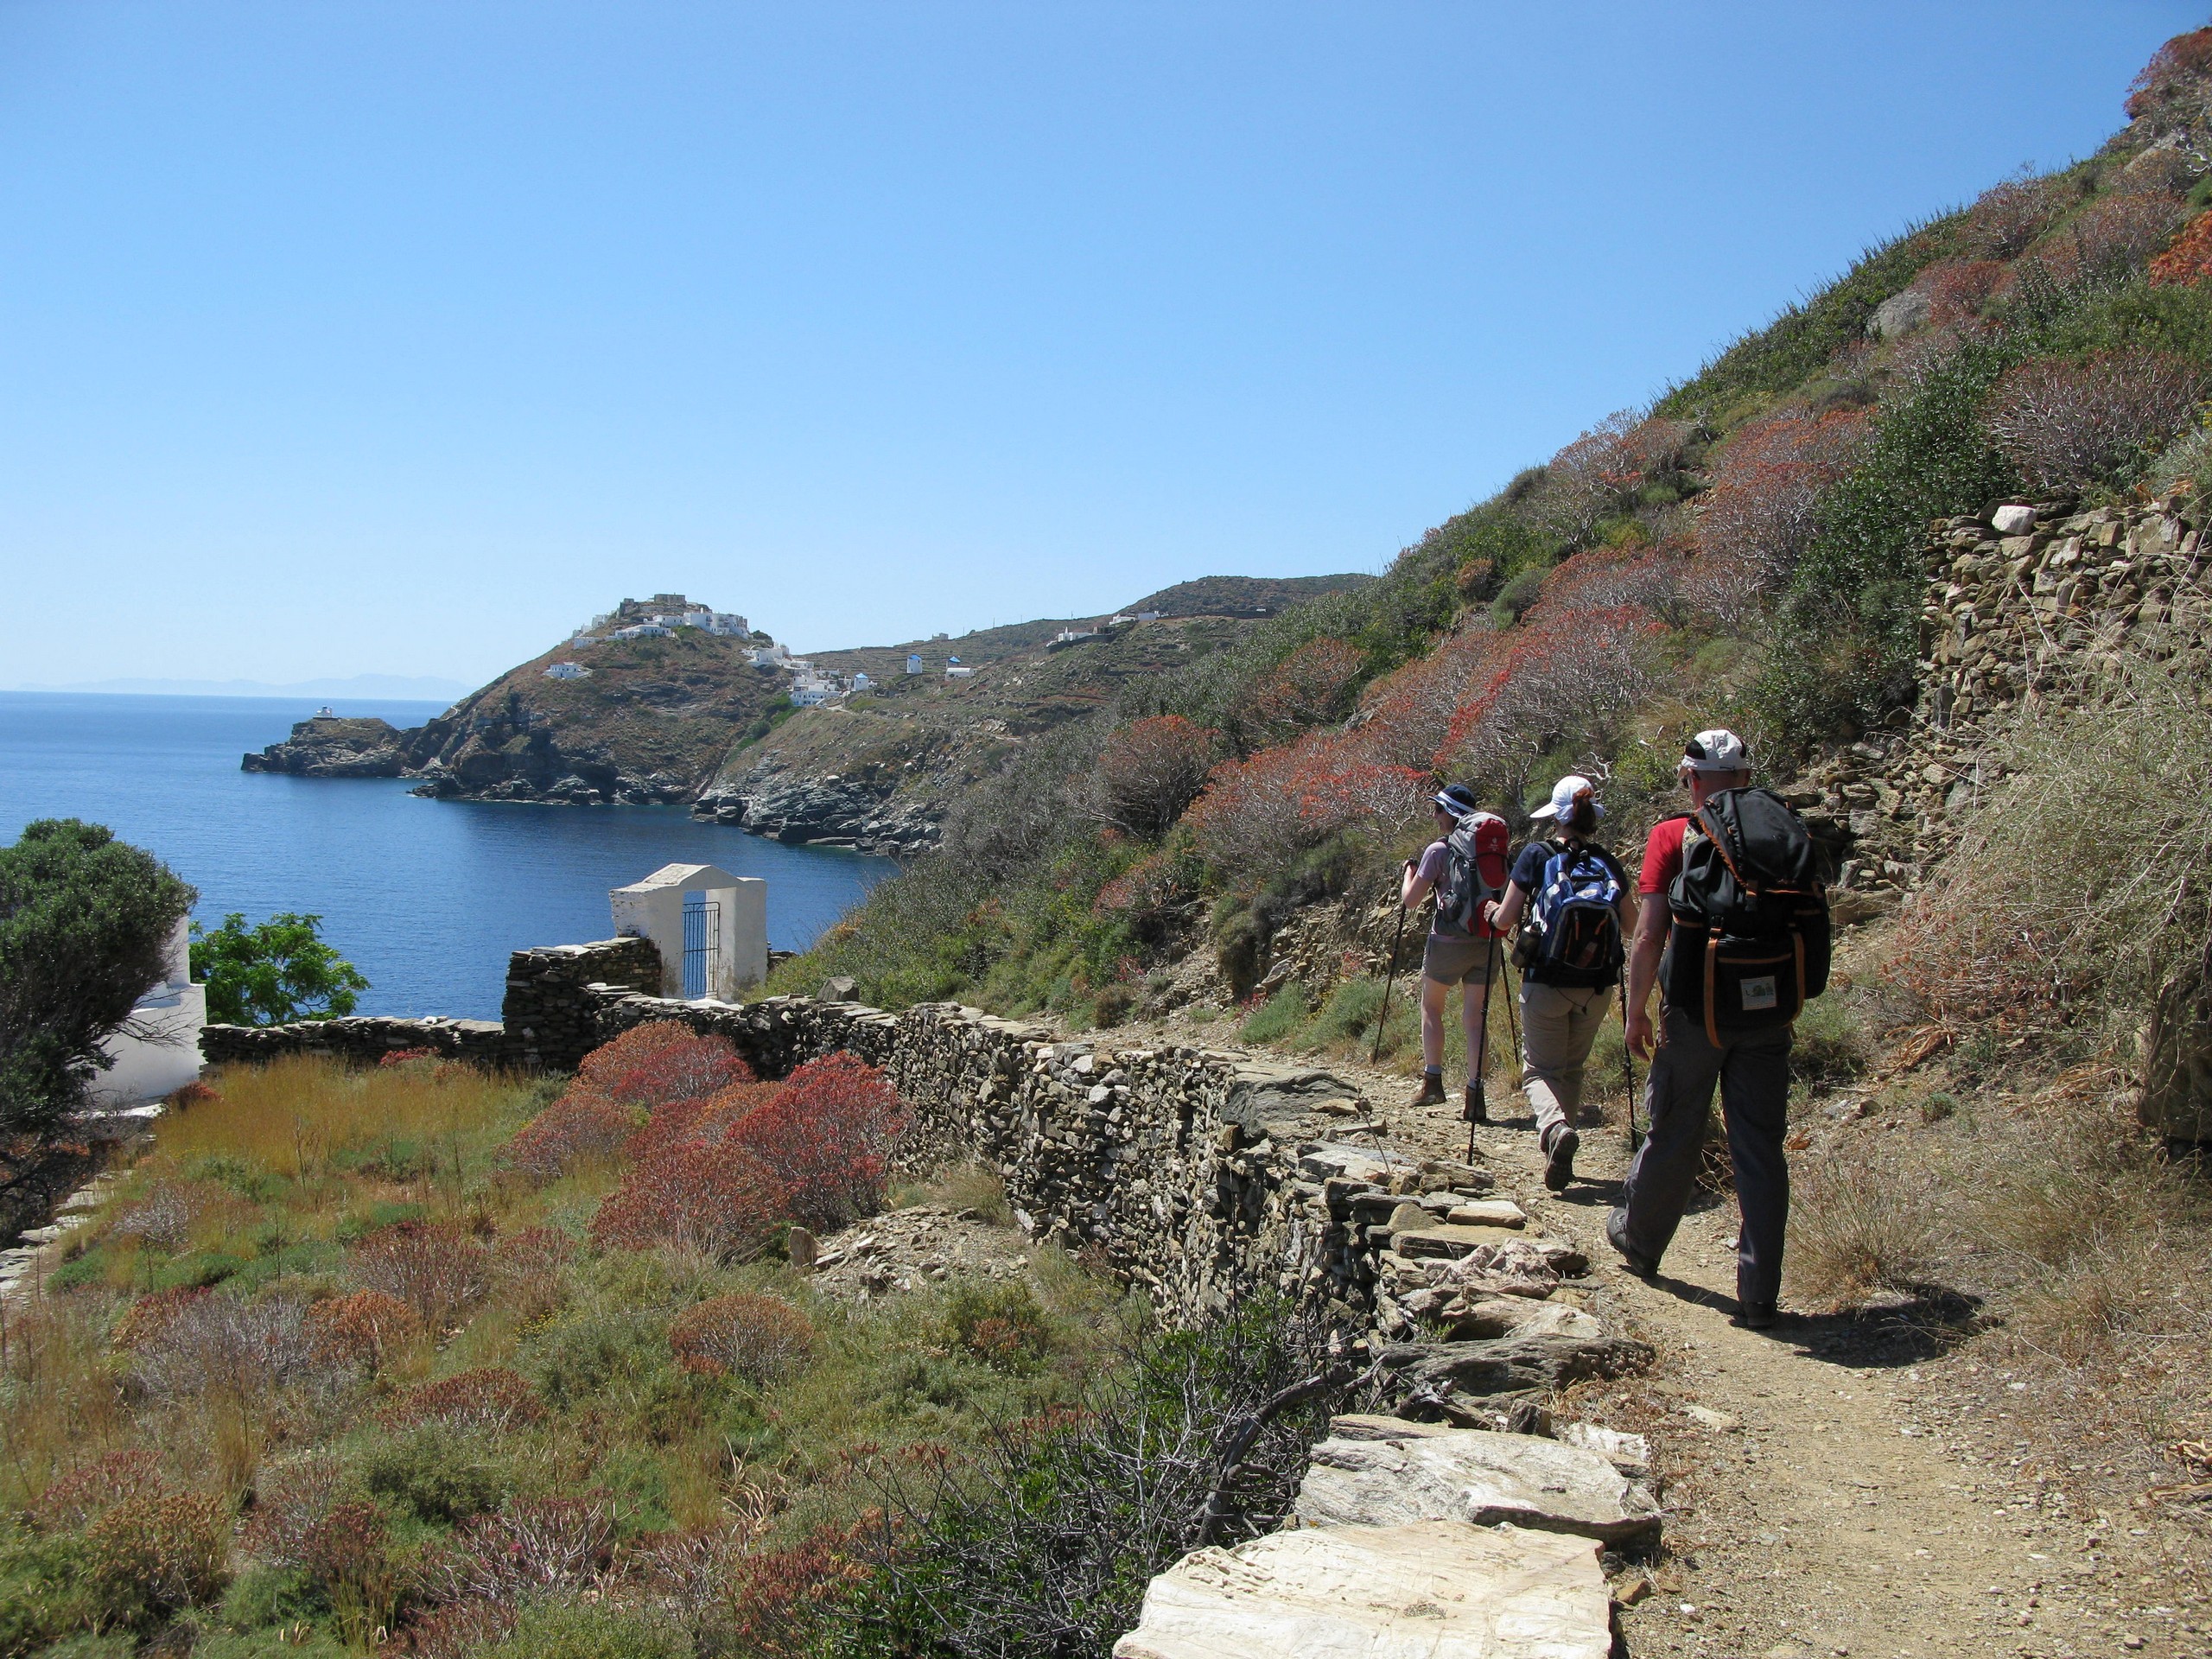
x,y
426,898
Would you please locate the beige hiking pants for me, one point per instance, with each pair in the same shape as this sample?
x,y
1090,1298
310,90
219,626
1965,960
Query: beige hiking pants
x,y
1557,1028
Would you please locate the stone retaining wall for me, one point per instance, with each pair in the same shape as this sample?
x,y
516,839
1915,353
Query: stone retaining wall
x,y
361,1042
1195,1172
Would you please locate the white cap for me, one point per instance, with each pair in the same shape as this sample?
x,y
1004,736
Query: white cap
x,y
1564,793
1718,750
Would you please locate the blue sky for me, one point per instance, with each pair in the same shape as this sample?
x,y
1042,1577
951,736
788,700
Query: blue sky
x,y
401,337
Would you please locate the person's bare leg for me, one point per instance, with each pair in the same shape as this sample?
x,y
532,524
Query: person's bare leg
x,y
1432,1042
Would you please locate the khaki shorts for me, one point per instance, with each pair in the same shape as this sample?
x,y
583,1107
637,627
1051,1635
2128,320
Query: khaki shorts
x,y
1451,961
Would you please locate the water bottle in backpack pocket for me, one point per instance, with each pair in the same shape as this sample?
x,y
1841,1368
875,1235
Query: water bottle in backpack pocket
x,y
1750,940
1573,938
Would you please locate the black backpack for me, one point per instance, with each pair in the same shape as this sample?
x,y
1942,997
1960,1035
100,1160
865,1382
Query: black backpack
x,y
1751,942
1573,938
1474,871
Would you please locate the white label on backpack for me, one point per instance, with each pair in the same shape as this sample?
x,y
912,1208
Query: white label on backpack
x,y
1759,992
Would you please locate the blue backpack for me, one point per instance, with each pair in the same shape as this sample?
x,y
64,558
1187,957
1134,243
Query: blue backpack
x,y
1574,936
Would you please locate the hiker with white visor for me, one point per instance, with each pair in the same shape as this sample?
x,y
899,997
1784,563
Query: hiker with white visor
x,y
1579,907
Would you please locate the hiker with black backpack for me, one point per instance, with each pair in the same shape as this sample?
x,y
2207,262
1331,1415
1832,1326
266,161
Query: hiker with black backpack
x,y
1737,942
1464,868
1576,898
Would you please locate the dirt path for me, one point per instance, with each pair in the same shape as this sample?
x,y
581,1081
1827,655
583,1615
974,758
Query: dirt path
x,y
1845,1486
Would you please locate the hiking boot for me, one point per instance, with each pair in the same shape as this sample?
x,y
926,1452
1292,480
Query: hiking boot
x,y
1559,1157
1631,1258
1756,1316
1476,1111
1431,1090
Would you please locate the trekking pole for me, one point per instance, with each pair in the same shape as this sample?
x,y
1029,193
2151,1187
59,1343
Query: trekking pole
x,y
1477,1109
1389,978
1628,1074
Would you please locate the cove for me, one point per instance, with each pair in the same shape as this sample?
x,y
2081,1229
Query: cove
x,y
427,898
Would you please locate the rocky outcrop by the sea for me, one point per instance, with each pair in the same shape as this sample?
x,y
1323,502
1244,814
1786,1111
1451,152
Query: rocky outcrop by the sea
x,y
777,800
330,746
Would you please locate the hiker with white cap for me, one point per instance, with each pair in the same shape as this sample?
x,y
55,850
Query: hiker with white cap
x,y
1735,934
1577,898
1464,866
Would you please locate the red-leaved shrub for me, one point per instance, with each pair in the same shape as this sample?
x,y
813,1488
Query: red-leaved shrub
x,y
97,1487
407,1056
1756,519
1150,770
760,1338
1261,813
652,1064
825,1138
151,1314
1309,688
2007,217
710,1196
290,1500
583,1123
490,1398
436,1267
2107,241
782,1602
2175,74
694,1120
2189,261
2067,424
155,1554
364,1328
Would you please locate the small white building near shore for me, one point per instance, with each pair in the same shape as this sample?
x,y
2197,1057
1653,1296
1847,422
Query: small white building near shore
x,y
158,1052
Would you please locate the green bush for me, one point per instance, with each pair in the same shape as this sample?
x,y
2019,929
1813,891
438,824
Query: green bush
x,y
1347,1014
46,1589
1283,1012
435,1474
1830,1046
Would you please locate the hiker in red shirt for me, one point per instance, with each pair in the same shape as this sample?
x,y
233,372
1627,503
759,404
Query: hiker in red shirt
x,y
1752,1068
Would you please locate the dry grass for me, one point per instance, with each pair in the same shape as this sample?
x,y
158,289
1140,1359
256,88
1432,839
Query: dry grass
x,y
1861,1220
293,1116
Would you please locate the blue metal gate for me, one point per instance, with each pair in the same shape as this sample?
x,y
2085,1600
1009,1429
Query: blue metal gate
x,y
702,943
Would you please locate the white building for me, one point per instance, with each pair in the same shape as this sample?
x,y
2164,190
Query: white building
x,y
645,631
811,694
769,656
862,682
711,927
954,671
723,623
567,671
913,662
159,1050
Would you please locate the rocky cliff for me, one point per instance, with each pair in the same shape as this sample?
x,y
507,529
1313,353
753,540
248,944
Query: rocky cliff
x,y
329,746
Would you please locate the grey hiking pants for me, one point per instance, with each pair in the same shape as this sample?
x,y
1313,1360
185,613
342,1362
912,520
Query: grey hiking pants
x,y
1557,1028
1753,1069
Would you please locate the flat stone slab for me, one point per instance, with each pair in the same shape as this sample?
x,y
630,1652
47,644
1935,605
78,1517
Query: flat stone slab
x,y
1428,1590
1488,1212
1470,1475
1447,1240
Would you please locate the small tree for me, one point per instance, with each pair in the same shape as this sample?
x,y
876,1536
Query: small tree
x,y
2065,424
1150,770
85,923
273,974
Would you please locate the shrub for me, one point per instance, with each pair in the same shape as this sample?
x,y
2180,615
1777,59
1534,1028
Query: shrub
x,y
2174,76
1150,770
289,1501
164,1217
826,1139
407,1056
364,1328
1001,1325
714,1197
760,1338
148,1316
222,1345
434,1474
347,1553
2189,261
1830,1045
1044,1541
2066,425
2007,217
1310,687
1602,472
528,1270
2113,238
490,1399
1958,288
583,1123
665,1060
83,1495
1282,1014
1759,516
545,1544
434,1267
1259,815
155,1554
785,1602
273,974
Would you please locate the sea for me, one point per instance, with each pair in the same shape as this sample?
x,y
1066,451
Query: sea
x,y
426,898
